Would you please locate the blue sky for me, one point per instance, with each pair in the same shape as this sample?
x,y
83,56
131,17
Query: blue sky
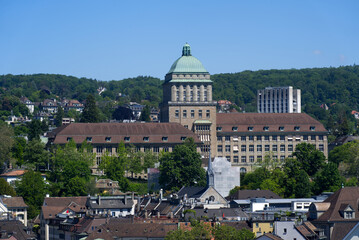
x,y
112,40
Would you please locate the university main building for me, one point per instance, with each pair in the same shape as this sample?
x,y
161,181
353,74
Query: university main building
x,y
188,110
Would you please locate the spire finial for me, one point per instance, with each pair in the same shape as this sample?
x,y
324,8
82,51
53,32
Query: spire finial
x,y
186,51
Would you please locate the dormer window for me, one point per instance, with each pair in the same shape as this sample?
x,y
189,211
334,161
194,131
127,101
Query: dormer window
x,y
312,128
108,139
234,129
281,128
296,128
89,139
250,128
146,139
127,139
347,211
69,139
183,138
164,139
266,128
219,129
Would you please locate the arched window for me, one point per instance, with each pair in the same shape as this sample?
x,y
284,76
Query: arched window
x,y
243,170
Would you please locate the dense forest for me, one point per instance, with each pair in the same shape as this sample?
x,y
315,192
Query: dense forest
x,y
338,88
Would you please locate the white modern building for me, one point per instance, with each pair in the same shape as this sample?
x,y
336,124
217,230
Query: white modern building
x,y
279,100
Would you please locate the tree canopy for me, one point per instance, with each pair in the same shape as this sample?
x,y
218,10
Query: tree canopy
x,y
182,167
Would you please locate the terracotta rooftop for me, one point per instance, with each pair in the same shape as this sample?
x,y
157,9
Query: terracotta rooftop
x,y
116,132
271,120
54,205
13,173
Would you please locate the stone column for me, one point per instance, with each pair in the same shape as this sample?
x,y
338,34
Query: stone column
x,y
188,93
209,93
201,89
195,95
181,93
173,93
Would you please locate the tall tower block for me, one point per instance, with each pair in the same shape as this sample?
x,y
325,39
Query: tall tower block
x,y
187,99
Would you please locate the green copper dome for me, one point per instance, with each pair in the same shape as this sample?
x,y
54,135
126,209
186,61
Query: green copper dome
x,y
187,63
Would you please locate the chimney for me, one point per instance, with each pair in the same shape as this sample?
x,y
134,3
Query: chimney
x,y
99,200
125,199
138,204
47,195
133,196
161,194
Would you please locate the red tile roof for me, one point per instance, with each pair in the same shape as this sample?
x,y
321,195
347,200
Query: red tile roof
x,y
272,120
117,131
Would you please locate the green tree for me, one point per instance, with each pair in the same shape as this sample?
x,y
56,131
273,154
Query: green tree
x,y
35,154
182,167
327,179
71,171
6,189
310,158
59,116
226,232
145,114
33,189
114,167
6,143
346,157
91,113
253,180
34,129
296,180
18,150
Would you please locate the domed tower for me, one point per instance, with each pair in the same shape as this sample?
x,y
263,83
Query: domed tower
x,y
187,99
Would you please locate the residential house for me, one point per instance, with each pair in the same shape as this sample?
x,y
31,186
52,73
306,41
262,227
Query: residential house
x,y
13,208
30,105
49,105
338,214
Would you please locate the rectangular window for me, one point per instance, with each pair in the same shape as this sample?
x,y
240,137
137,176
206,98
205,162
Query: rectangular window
x,y
228,158
259,138
243,148
305,138
109,149
192,113
321,147
266,138
282,138
235,159
219,138
259,148
275,157
290,148
208,113
228,148
156,149
184,113
251,148
220,148
266,148
274,137
282,148
259,158
251,138
177,113
165,149
282,158
243,159
228,138
99,149
275,148
312,137
235,139
243,138
320,137
235,148
251,159
199,113
98,161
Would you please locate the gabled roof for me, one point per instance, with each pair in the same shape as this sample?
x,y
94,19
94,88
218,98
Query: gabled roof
x,y
271,120
192,192
55,205
341,229
14,202
346,196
